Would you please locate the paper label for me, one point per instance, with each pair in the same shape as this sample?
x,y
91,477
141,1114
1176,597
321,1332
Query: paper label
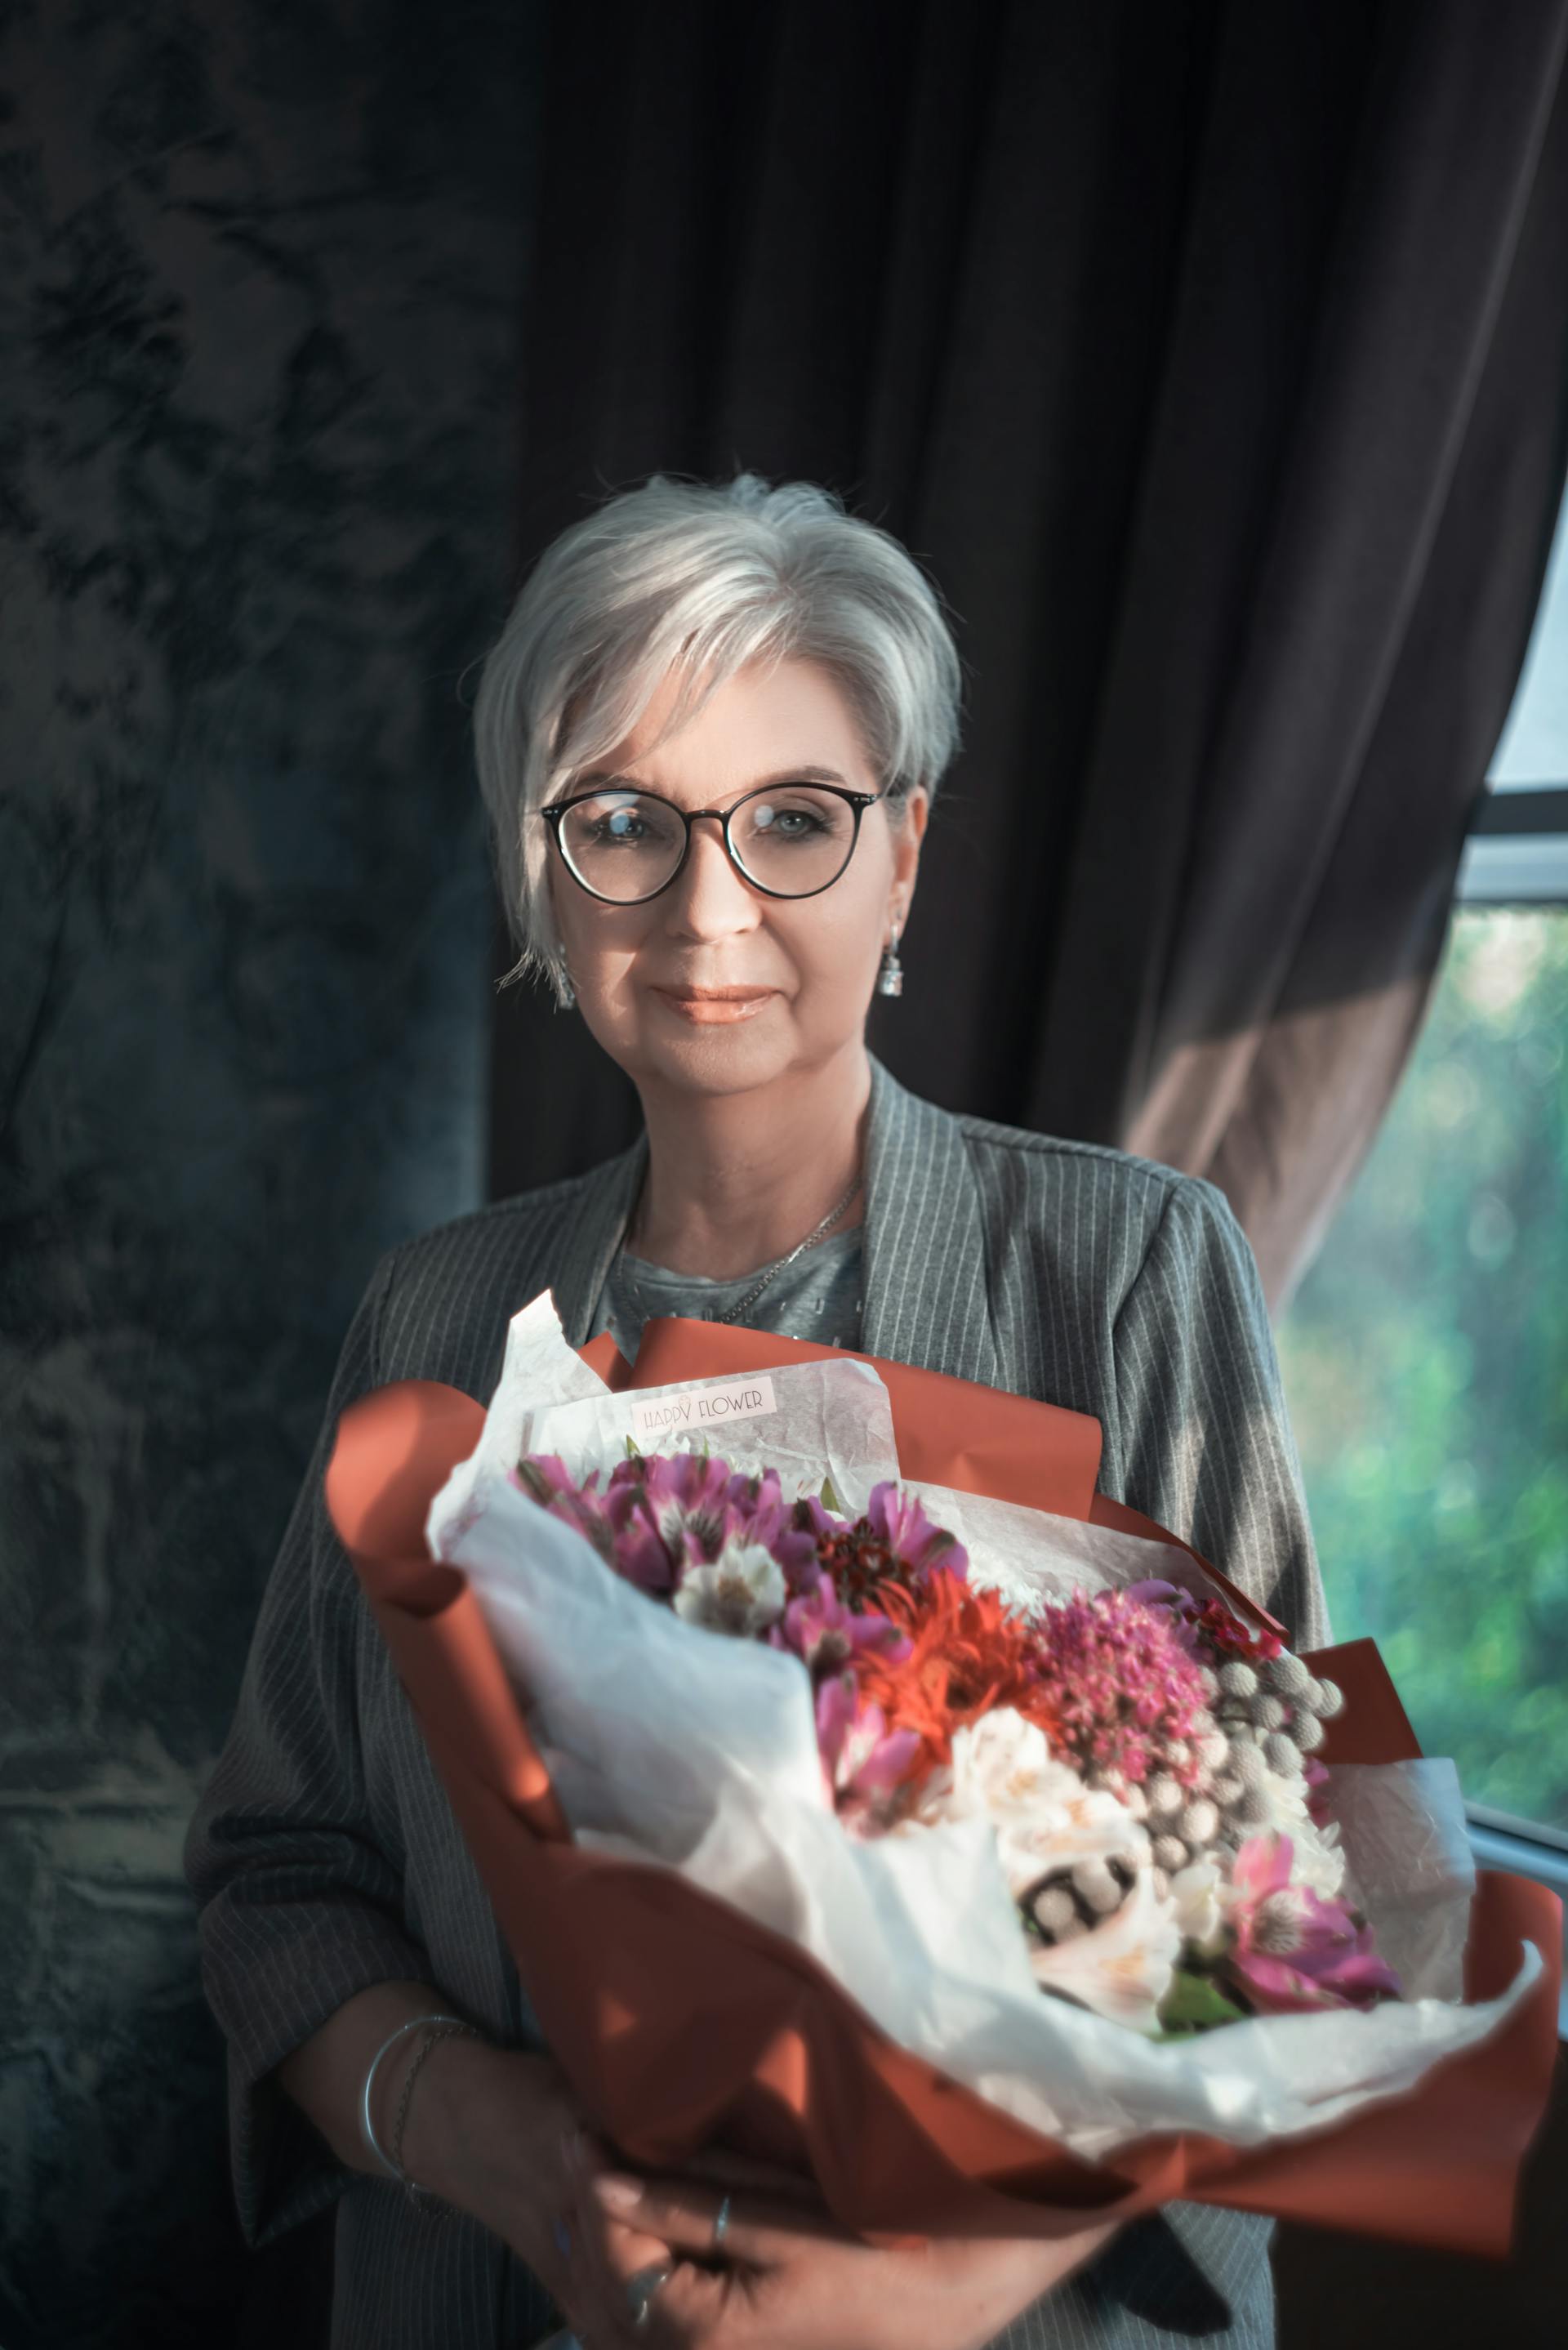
x,y
699,1409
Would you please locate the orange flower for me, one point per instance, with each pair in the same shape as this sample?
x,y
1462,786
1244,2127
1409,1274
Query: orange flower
x,y
968,1654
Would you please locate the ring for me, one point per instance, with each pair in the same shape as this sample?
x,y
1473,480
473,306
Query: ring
x,y
720,2223
640,2288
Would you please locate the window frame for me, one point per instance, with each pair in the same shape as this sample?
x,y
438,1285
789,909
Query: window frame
x,y
1516,851
1516,854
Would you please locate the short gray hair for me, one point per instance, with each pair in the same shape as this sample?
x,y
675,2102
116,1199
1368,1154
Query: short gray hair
x,y
705,577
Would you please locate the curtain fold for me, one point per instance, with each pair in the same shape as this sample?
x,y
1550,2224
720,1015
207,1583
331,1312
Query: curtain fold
x,y
1215,361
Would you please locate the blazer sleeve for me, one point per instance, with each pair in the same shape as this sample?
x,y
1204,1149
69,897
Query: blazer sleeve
x,y
1205,1439
1203,1444
300,1905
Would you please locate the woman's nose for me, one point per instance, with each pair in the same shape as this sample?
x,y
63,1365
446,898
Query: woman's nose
x,y
710,899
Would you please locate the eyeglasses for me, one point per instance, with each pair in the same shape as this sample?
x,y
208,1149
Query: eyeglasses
x,y
788,840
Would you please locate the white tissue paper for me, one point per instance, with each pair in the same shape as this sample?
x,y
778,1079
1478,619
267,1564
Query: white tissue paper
x,y
680,1747
806,1419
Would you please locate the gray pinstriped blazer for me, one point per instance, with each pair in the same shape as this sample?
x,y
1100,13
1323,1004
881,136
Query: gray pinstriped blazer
x,y
323,1853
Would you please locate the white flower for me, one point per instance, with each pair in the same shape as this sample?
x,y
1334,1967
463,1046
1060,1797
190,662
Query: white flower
x,y
1316,1858
1286,1801
1045,1816
1195,1895
1122,1968
1319,1859
741,1593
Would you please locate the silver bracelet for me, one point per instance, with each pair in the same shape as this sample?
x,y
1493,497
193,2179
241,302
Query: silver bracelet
x,y
368,2127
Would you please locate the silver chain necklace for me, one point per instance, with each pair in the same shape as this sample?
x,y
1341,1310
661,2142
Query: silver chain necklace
x,y
813,1239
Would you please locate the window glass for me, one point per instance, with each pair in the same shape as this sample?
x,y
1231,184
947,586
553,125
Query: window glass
x,y
1425,1364
1534,747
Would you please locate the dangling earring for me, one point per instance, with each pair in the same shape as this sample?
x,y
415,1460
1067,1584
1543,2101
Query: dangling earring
x,y
566,994
890,971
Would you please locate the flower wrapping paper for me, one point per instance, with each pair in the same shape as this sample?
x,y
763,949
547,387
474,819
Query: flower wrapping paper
x,y
687,1767
666,1744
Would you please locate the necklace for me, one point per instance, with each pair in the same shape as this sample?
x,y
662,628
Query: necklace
x,y
818,1233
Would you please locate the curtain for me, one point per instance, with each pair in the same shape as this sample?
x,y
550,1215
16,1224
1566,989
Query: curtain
x,y
1215,362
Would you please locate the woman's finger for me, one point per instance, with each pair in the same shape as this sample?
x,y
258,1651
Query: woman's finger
x,y
682,2303
604,2255
685,2215
602,2295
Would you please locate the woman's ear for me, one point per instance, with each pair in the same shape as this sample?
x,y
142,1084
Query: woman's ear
x,y
909,832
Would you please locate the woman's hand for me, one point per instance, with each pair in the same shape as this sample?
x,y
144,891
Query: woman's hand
x,y
786,2278
499,2134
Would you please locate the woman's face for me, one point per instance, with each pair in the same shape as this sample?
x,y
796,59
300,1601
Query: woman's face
x,y
714,986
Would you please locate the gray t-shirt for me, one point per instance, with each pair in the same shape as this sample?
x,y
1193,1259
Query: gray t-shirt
x,y
816,1297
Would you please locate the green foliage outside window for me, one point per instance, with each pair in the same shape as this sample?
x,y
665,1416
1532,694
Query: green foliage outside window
x,y
1426,1366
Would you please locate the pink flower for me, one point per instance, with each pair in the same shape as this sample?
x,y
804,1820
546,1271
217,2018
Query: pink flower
x,y
1294,1951
865,1764
543,1477
1319,1803
826,1634
898,1519
895,1544
662,1517
1127,1694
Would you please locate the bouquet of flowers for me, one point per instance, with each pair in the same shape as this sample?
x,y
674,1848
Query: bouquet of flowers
x,y
998,1865
1146,1762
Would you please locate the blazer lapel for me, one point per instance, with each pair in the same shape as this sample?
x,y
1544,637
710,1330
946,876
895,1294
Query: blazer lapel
x,y
602,1207
926,1299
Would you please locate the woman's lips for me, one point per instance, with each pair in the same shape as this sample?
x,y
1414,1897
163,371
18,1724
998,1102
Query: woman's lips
x,y
707,1007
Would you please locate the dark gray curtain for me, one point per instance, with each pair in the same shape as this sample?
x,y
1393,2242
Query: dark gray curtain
x,y
1215,359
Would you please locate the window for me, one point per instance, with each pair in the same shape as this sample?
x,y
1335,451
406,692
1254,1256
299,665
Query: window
x,y
1425,1351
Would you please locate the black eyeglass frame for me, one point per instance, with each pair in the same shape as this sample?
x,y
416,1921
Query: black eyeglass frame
x,y
858,801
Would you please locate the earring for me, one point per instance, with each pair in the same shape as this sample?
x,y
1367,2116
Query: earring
x,y
566,994
890,970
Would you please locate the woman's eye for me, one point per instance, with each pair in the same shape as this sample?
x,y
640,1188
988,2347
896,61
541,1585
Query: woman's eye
x,y
787,824
620,827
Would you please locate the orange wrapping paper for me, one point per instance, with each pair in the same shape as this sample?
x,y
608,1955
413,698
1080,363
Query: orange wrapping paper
x,y
681,2021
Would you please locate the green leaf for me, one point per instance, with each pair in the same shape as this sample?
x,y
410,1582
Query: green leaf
x,y
1195,2004
830,1500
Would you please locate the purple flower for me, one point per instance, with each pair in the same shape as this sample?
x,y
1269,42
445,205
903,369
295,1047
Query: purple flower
x,y
671,1514
543,1477
865,1764
1180,1609
898,1520
1294,1951
1156,1594
826,1634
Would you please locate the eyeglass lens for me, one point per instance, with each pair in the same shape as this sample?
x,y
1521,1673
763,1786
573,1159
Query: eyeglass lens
x,y
791,840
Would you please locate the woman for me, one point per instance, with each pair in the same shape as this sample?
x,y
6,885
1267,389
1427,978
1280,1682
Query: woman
x,y
709,738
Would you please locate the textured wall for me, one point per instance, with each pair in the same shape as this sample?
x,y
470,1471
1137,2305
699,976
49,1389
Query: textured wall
x,y
258,270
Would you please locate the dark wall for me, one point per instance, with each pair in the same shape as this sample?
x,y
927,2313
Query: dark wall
x,y
259,267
